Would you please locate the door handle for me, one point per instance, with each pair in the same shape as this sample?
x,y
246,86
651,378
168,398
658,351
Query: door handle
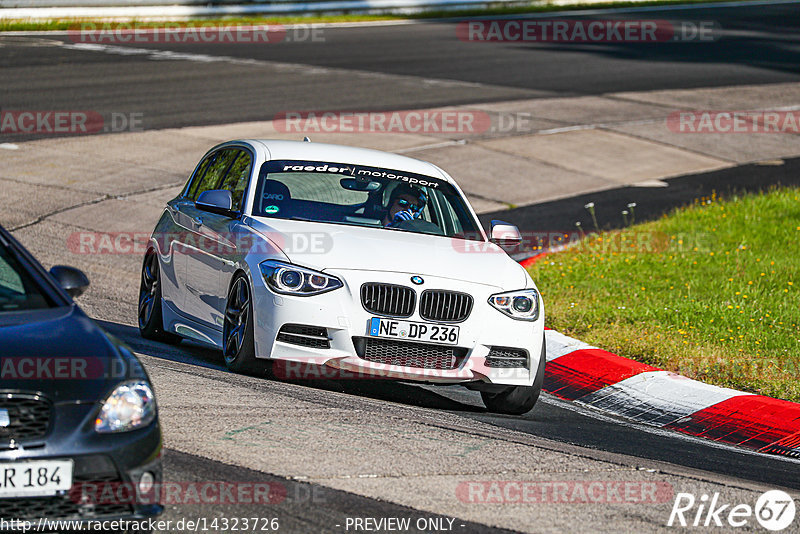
x,y
197,220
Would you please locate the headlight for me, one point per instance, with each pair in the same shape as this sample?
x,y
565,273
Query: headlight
x,y
290,279
130,406
522,304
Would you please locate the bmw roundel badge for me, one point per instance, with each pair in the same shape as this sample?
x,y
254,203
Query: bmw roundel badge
x,y
417,280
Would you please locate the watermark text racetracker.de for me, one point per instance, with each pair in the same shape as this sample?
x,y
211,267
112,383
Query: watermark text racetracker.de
x,y
320,242
193,33
221,244
735,121
55,366
67,122
206,492
58,368
564,492
417,121
314,368
412,121
586,31
640,242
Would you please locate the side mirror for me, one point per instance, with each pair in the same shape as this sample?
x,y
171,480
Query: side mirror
x,y
505,234
218,201
71,279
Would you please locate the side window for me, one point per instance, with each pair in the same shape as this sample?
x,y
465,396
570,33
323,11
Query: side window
x,y
10,280
449,218
214,173
17,290
237,178
198,176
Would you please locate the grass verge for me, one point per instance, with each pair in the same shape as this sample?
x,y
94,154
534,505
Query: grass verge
x,y
709,291
7,25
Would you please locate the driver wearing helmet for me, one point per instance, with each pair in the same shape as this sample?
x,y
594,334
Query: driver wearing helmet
x,y
405,204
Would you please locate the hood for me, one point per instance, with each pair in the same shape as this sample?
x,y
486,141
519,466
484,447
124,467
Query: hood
x,y
324,246
60,353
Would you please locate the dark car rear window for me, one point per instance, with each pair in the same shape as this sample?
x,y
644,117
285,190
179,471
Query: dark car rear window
x,y
18,290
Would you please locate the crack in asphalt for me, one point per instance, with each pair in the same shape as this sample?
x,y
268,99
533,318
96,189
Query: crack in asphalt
x,y
56,211
107,196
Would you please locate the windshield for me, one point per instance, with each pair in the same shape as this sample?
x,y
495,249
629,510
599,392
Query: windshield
x,y
18,291
362,196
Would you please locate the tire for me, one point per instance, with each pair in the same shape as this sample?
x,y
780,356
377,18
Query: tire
x,y
151,322
517,400
238,346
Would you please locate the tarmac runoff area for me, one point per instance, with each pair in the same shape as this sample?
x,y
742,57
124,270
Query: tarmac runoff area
x,y
53,188
505,154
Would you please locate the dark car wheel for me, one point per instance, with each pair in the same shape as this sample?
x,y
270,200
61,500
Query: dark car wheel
x,y
151,323
517,400
238,346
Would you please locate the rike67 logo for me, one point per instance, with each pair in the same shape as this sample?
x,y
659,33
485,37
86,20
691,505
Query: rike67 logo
x,y
774,510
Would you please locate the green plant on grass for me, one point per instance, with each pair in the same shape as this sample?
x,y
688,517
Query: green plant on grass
x,y
709,291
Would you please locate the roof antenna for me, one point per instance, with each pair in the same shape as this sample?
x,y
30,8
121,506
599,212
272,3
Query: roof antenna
x,y
307,139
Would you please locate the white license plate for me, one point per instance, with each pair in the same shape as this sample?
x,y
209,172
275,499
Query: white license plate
x,y
34,478
431,333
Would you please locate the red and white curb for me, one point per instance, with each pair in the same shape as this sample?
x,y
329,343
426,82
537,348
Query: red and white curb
x,y
604,381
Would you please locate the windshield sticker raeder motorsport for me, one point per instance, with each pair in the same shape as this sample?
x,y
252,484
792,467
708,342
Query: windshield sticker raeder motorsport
x,y
356,171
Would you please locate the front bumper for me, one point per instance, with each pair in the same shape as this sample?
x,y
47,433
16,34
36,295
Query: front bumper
x,y
340,312
106,468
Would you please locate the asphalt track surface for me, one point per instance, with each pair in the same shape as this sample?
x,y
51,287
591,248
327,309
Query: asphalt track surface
x,y
551,418
651,203
403,66
553,424
298,506
756,45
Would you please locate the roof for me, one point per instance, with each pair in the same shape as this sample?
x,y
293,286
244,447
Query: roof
x,y
310,151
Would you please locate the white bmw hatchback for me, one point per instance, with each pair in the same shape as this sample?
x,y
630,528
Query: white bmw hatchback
x,y
367,262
